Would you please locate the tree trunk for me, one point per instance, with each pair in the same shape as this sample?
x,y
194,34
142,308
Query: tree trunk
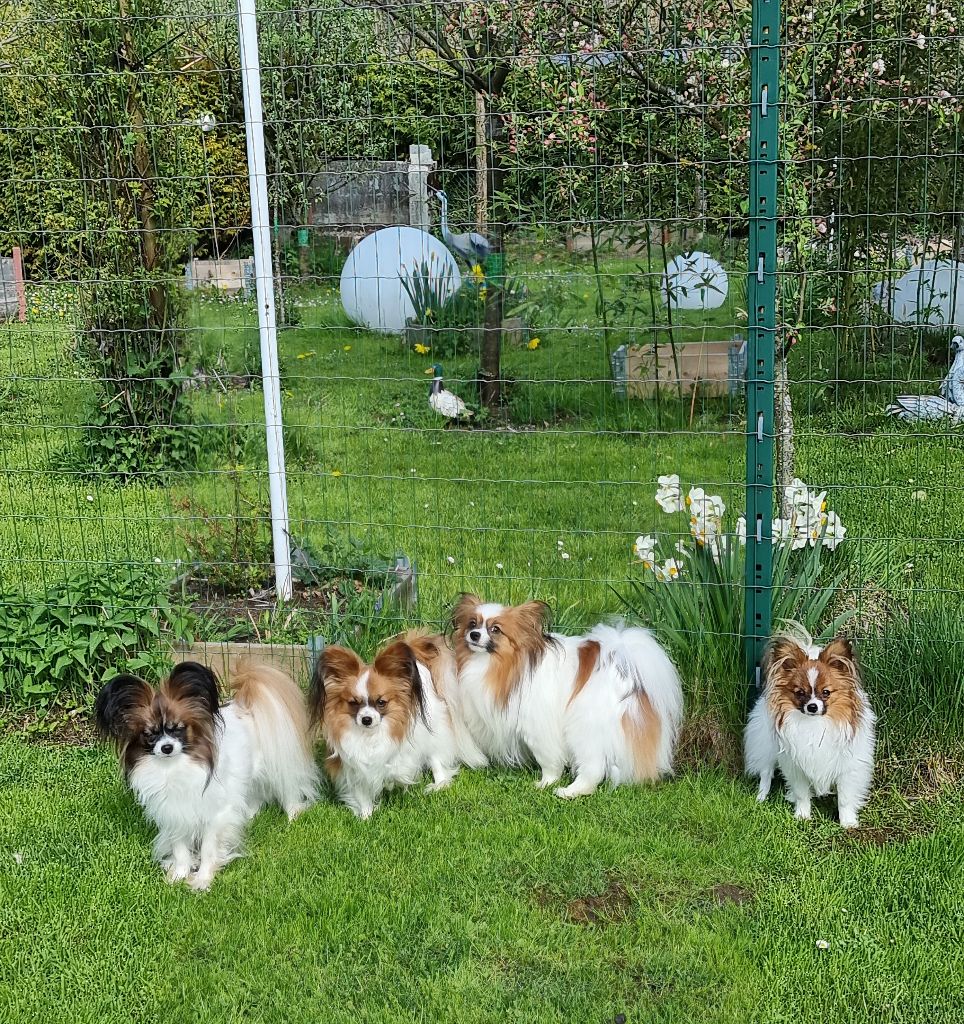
x,y
490,372
783,412
144,197
481,167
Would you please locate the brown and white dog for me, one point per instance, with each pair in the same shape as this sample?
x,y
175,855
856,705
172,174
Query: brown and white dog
x,y
606,705
202,769
814,721
387,722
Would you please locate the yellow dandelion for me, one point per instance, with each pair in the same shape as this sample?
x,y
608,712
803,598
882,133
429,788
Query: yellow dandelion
x,y
482,294
336,472
422,349
478,274
346,348
533,344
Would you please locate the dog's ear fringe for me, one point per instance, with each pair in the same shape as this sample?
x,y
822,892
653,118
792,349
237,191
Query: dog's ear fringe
x,y
115,703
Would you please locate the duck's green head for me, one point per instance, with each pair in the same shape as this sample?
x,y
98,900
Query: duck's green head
x,y
435,369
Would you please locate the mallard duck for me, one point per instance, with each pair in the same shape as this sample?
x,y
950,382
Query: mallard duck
x,y
444,402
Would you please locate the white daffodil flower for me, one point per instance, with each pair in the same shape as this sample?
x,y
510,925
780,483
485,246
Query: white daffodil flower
x,y
669,496
834,531
645,550
669,571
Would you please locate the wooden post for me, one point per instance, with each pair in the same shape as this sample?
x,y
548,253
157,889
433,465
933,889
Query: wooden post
x,y
420,165
18,282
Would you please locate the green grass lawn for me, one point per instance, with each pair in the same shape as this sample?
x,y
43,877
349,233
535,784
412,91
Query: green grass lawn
x,y
491,902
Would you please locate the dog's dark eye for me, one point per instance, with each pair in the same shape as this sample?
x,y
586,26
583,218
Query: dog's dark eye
x,y
799,693
494,629
381,703
472,623
826,693
354,703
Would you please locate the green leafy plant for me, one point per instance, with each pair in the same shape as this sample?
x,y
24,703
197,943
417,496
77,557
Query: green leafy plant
x,y
231,551
336,558
450,321
59,645
428,291
695,599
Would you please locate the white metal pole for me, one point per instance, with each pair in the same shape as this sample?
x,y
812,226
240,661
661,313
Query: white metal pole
x,y
264,282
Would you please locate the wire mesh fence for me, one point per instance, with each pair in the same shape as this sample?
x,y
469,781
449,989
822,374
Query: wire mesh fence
x,y
585,170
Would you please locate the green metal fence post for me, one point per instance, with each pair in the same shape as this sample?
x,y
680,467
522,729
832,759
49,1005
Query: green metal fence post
x,y
761,337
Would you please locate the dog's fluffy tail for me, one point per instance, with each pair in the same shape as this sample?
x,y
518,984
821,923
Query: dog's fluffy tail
x,y
285,765
638,657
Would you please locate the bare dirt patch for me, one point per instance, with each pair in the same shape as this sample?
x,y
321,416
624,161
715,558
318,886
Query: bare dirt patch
x,y
728,893
610,906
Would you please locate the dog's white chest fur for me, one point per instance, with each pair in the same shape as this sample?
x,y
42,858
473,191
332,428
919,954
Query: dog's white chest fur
x,y
819,748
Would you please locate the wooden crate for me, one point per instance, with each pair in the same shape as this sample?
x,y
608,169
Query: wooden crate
x,y
717,368
230,276
295,659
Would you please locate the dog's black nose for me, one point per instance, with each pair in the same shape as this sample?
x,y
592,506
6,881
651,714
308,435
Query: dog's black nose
x,y
475,636
367,720
813,707
167,748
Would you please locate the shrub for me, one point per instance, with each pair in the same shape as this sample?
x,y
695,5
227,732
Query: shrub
x,y
60,645
231,551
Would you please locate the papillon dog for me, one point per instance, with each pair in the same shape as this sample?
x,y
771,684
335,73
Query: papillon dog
x,y
202,769
386,723
813,720
606,705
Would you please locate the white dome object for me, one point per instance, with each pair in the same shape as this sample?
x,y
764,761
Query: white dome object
x,y
371,280
931,294
694,280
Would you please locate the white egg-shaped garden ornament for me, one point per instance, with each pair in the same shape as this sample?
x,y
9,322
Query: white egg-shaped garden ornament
x,y
372,291
694,280
931,294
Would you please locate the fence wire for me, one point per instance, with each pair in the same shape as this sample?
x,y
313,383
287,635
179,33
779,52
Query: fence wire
x,y
601,151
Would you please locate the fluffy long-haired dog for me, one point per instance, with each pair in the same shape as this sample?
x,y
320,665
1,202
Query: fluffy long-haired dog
x,y
386,723
814,721
201,770
606,705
